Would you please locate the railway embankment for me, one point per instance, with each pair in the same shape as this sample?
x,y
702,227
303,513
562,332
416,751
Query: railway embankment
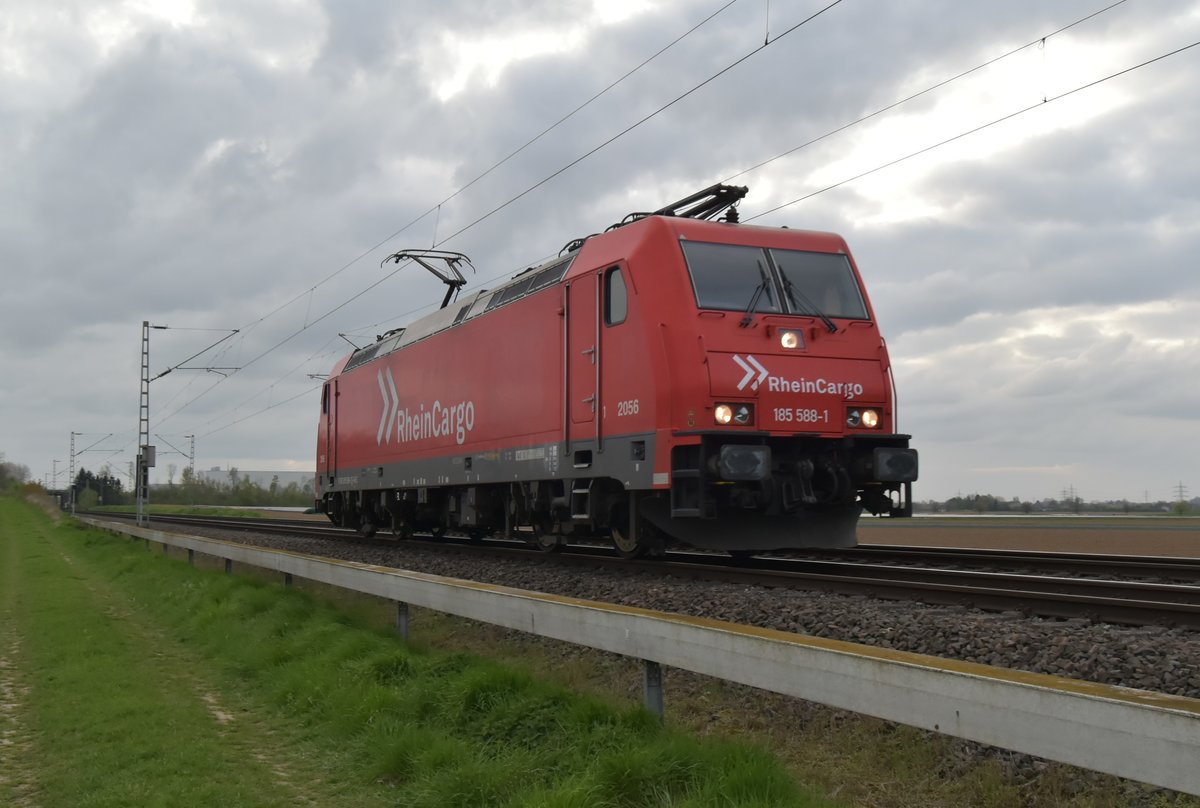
x,y
132,679
855,757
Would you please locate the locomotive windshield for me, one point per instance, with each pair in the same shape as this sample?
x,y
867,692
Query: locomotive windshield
x,y
824,279
729,276
726,276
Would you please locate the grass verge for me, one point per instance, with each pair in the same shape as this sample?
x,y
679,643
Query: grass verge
x,y
141,681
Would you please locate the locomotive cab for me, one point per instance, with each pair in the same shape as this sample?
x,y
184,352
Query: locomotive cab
x,y
790,426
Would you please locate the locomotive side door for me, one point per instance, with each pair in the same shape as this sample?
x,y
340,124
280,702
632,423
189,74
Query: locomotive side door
x,y
582,356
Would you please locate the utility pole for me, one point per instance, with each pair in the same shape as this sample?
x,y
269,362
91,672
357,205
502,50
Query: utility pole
x,y
146,452
145,455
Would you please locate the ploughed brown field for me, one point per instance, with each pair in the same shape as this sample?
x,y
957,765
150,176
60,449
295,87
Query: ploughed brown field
x,y
1120,535
1135,535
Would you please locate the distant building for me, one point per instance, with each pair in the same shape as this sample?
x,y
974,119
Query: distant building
x,y
302,479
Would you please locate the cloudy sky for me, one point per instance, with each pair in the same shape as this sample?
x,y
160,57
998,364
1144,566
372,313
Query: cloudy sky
x,y
246,164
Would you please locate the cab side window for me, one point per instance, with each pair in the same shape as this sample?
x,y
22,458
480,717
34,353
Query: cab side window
x,y
616,298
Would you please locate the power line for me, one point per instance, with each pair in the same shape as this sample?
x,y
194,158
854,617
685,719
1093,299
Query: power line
x,y
639,122
321,351
1038,40
571,114
264,409
513,199
437,208
926,91
807,196
980,128
566,167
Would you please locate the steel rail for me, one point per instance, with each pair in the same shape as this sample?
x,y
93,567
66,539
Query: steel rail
x,y
1126,602
1093,563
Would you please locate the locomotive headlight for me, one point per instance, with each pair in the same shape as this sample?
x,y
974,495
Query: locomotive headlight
x,y
789,340
738,414
865,419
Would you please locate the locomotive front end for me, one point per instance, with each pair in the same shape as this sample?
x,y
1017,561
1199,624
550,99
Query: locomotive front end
x,y
794,436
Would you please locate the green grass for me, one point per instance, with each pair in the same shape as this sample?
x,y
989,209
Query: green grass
x,y
138,680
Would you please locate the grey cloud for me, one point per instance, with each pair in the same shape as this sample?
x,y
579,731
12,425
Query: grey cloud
x,y
202,176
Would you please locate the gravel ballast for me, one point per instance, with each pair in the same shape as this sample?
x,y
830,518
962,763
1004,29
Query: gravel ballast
x,y
1164,660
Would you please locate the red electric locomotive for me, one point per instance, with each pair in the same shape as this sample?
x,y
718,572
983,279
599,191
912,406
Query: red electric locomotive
x,y
676,378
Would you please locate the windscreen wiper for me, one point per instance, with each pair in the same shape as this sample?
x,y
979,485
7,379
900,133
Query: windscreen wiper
x,y
806,301
748,317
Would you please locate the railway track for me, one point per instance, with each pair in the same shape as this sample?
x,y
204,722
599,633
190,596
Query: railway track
x,y
1132,590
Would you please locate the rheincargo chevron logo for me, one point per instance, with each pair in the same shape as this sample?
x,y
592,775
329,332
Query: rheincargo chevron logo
x,y
751,366
418,422
390,405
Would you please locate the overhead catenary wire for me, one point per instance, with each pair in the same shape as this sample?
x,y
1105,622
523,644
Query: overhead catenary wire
x,y
268,408
318,353
321,352
973,130
795,201
961,134
505,204
639,122
560,171
1040,39
931,88
769,41
436,209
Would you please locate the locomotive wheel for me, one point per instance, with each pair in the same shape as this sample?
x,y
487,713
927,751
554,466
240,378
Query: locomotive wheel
x,y
546,542
401,529
649,542
543,536
626,546
366,528
437,531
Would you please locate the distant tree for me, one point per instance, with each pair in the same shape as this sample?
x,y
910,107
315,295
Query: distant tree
x,y
107,488
171,469
12,474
